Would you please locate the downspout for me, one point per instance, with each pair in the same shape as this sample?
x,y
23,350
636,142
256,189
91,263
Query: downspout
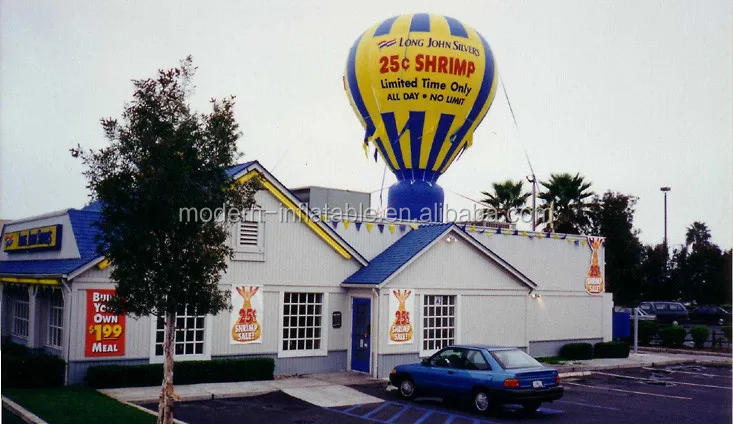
x,y
375,342
68,336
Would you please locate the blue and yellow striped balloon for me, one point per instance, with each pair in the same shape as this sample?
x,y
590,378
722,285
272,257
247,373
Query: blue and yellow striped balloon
x,y
420,85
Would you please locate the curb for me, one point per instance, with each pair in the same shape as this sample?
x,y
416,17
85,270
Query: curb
x,y
21,412
155,414
683,351
583,370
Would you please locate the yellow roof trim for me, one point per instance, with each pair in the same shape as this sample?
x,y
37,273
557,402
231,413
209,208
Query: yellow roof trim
x,y
35,281
304,216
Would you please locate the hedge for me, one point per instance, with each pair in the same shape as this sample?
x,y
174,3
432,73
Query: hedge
x,y
700,334
726,329
611,350
577,351
647,331
673,336
186,372
24,369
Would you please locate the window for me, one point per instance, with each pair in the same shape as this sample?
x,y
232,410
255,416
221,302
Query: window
x,y
448,358
513,359
21,314
55,320
248,240
475,360
439,322
189,338
302,319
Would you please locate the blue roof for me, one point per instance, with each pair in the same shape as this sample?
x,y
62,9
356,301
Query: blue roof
x,y
82,225
390,260
234,170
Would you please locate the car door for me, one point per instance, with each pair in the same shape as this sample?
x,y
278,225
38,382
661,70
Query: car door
x,y
474,369
444,366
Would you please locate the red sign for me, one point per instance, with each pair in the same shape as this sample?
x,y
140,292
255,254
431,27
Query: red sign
x,y
105,331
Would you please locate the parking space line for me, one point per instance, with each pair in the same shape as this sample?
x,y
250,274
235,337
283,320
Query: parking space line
x,y
687,372
377,409
652,379
627,391
450,419
588,405
425,416
404,409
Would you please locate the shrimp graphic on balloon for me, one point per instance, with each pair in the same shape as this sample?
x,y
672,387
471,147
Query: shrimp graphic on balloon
x,y
420,85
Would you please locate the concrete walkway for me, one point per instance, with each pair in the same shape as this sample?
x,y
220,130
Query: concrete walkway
x,y
331,389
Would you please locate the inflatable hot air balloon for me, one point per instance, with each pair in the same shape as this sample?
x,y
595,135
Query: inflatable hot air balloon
x,y
420,85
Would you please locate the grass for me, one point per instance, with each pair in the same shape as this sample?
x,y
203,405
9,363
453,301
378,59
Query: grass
x,y
555,360
76,405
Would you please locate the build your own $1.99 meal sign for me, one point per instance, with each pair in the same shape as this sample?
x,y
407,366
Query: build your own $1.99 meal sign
x,y
105,332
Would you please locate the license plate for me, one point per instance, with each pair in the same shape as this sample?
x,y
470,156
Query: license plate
x,y
537,384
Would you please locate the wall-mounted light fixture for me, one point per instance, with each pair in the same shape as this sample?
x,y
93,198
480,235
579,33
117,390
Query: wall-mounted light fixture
x,y
450,239
534,295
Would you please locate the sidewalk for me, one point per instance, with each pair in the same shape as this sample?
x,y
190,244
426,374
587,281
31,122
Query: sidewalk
x,y
331,389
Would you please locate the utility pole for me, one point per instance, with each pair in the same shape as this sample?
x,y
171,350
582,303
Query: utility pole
x,y
533,180
665,190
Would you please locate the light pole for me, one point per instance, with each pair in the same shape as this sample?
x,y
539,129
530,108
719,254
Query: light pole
x,y
665,190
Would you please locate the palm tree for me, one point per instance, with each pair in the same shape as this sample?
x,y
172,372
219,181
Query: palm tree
x,y
698,234
506,197
568,195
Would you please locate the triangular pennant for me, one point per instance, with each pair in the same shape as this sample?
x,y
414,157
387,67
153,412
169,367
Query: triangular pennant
x,y
391,228
563,237
472,229
375,155
414,226
515,232
346,224
323,218
489,234
335,224
582,243
498,231
482,230
523,234
463,227
555,235
381,227
358,225
403,227
369,226
576,243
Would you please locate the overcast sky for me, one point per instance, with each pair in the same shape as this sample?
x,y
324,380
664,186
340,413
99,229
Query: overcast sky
x,y
634,95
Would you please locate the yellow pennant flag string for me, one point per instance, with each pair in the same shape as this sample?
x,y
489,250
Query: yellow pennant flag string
x,y
391,228
346,224
369,226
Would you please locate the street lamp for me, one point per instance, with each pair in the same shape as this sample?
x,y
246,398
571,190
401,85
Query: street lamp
x,y
665,190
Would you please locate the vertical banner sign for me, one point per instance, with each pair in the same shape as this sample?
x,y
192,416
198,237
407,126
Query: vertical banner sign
x,y
402,309
105,332
594,279
246,314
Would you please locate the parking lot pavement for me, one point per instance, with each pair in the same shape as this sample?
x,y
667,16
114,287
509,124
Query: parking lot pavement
x,y
671,394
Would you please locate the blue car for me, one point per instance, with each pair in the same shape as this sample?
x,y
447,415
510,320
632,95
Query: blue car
x,y
487,375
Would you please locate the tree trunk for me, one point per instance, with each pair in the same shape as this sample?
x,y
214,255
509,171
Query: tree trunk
x,y
167,396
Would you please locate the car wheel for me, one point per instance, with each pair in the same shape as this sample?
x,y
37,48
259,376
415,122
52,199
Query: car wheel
x,y
531,406
481,401
407,389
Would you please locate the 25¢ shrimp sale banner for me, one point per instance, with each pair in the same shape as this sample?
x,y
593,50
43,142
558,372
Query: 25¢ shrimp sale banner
x,y
105,332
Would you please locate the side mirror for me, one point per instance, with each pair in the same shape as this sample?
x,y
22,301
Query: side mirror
x,y
426,362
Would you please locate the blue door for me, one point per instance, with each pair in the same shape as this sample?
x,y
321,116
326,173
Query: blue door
x,y
360,334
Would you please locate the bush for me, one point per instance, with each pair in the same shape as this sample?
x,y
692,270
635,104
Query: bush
x,y
577,351
188,372
647,331
24,369
611,350
673,336
726,329
700,335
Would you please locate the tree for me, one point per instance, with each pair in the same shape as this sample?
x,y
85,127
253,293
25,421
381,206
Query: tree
x,y
612,216
568,195
163,157
655,270
697,235
506,197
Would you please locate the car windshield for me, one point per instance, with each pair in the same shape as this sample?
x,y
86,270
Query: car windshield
x,y
512,359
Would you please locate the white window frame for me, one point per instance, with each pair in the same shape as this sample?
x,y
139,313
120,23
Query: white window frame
x,y
21,319
206,355
428,352
323,351
55,306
